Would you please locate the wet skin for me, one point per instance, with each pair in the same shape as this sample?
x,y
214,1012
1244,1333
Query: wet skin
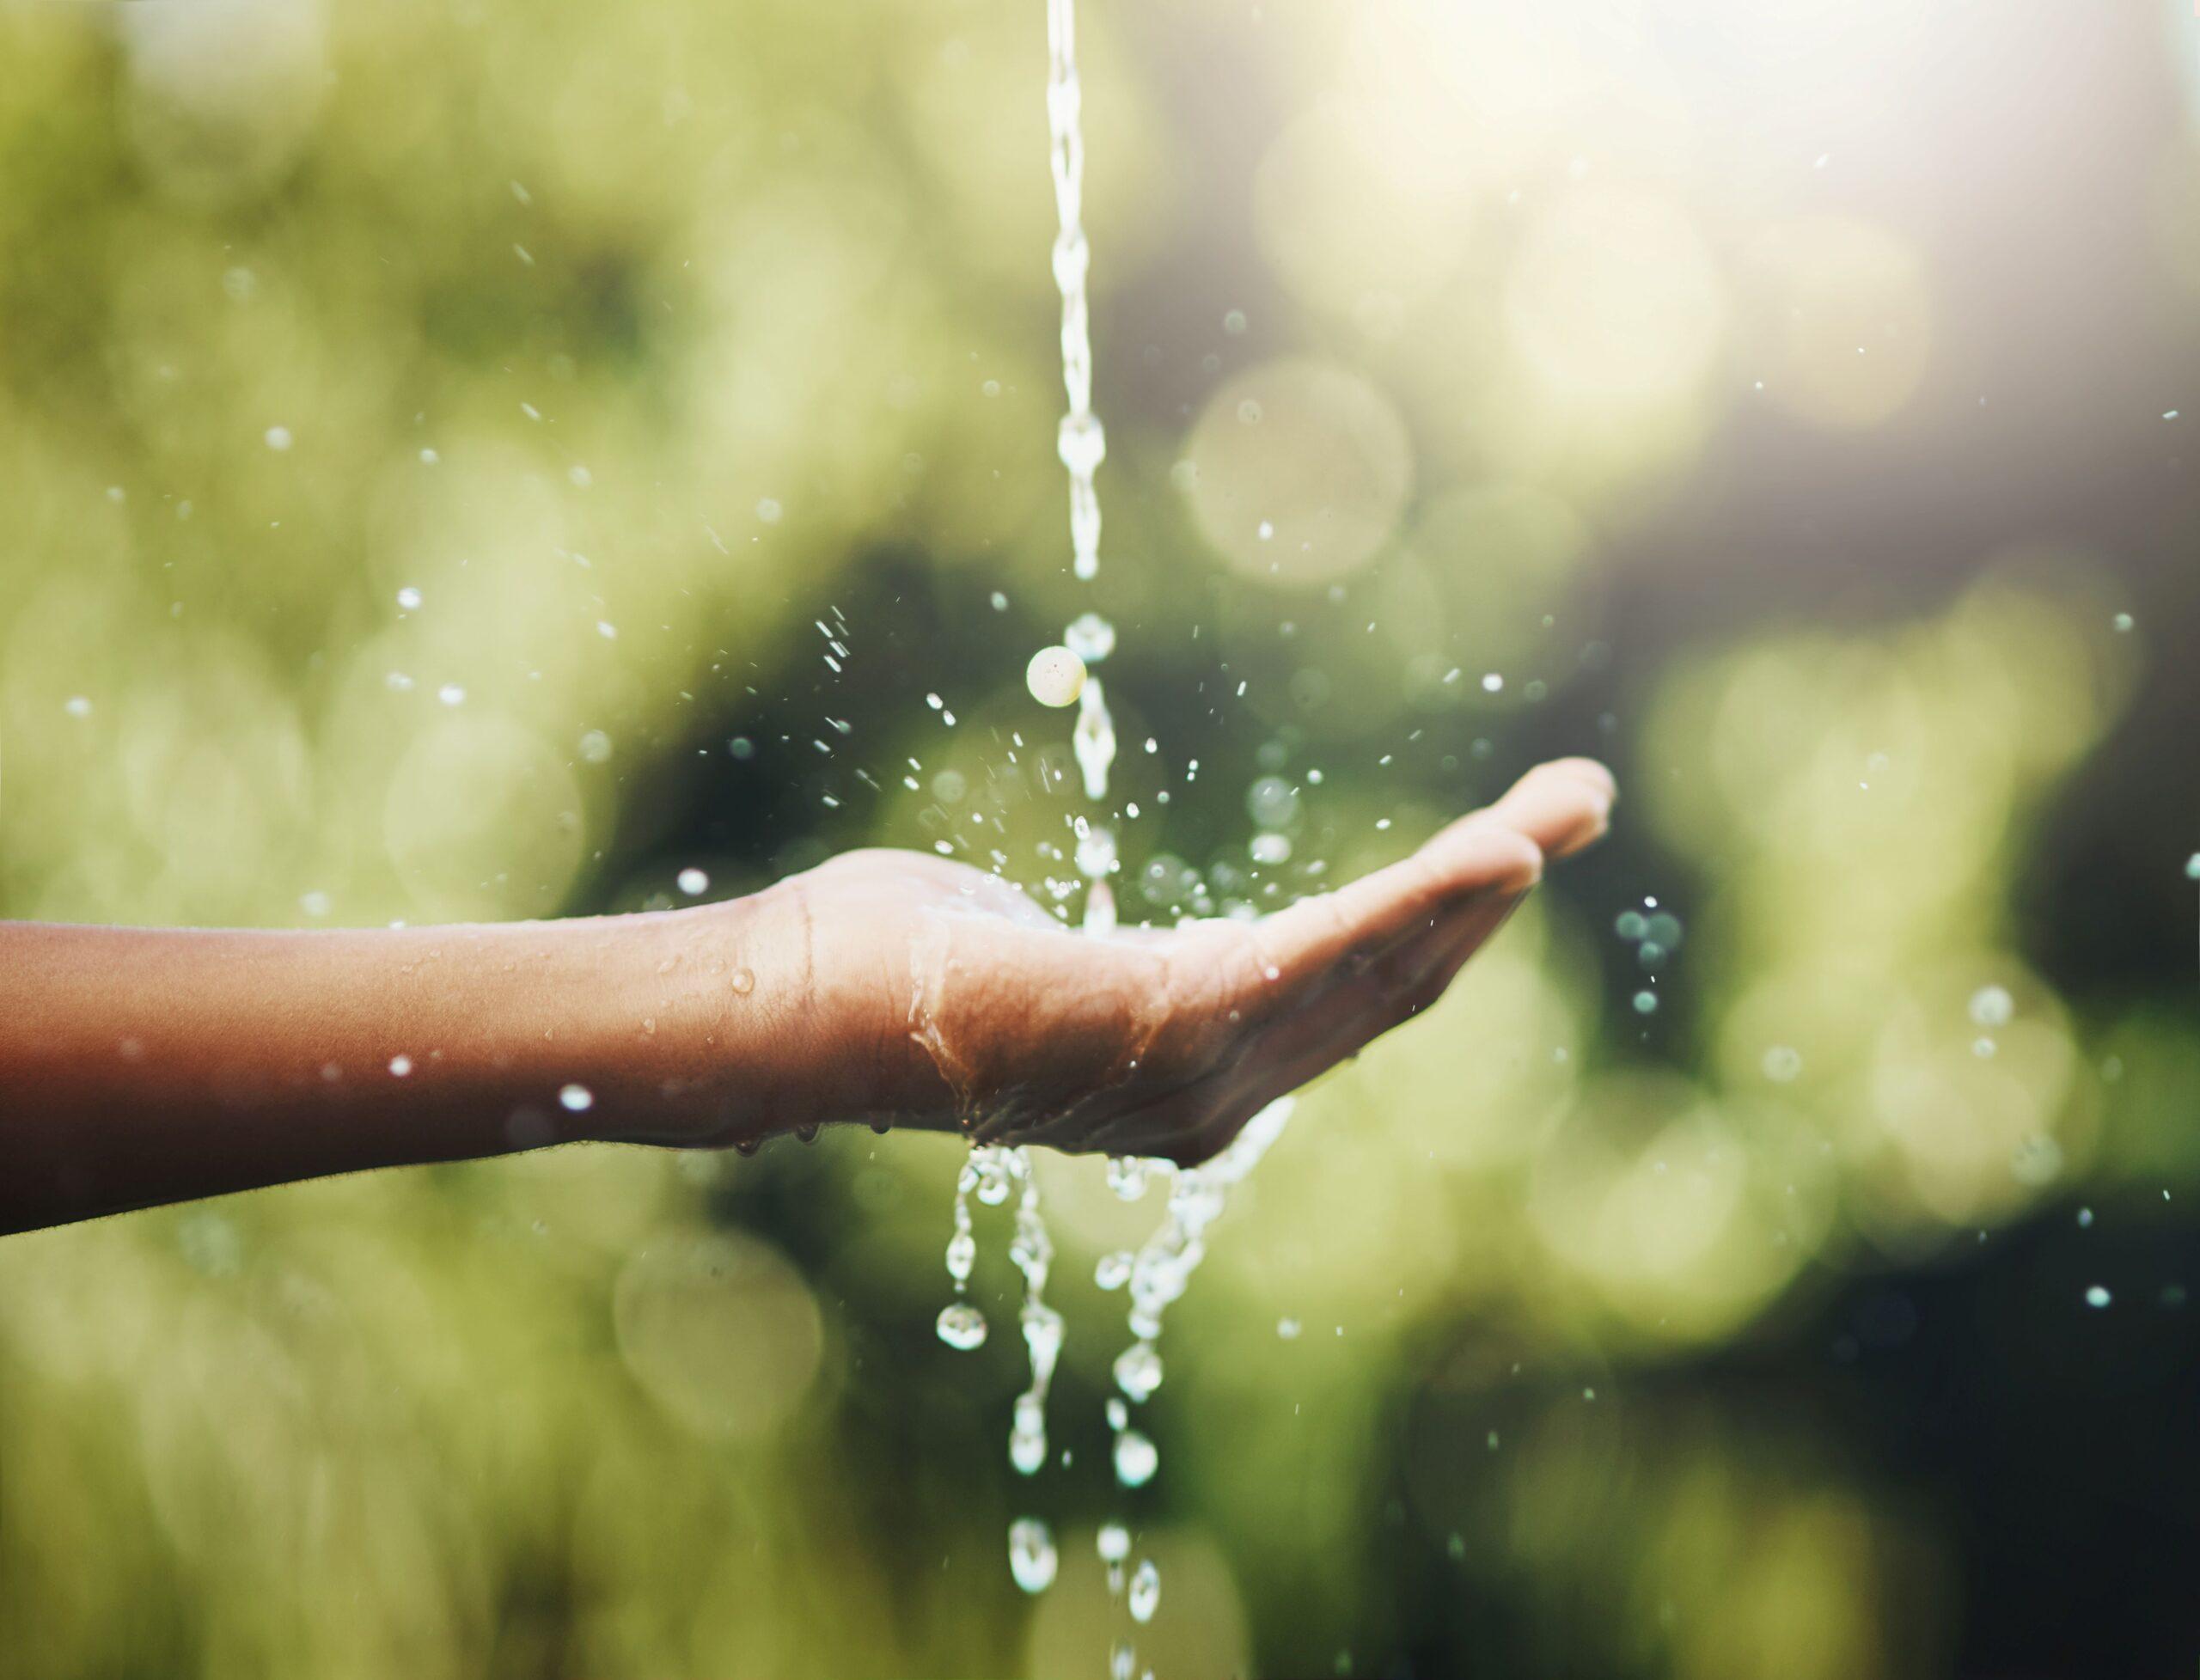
x,y
144,1067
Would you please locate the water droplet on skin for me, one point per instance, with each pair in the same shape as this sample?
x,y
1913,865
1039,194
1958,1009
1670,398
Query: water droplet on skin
x,y
1056,676
400,1065
1031,1554
1993,1006
575,1099
743,982
1145,1590
962,1326
1136,1459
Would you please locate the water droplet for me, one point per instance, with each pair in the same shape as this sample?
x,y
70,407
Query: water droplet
x,y
1027,1448
1136,1459
409,598
693,882
1145,1590
1082,443
1645,1003
1287,1328
576,1098
962,1326
1112,1270
992,1186
1114,1542
279,439
400,1065
962,1255
1127,1176
1091,638
2096,1297
742,981
1137,1369
1031,1554
1992,1006
1056,676
595,747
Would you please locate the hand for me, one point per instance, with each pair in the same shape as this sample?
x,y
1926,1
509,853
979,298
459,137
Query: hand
x,y
940,996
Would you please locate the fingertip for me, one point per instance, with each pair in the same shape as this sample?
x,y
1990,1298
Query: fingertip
x,y
1564,805
1489,855
1590,770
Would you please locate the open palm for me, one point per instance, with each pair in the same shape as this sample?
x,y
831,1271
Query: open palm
x,y
950,999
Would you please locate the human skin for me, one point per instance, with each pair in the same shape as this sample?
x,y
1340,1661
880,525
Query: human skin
x,y
145,1066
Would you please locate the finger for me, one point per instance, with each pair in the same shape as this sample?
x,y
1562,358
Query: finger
x,y
1388,996
1563,806
1194,1121
1303,942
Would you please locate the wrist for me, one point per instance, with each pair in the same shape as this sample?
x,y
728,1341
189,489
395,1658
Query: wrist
x,y
687,1027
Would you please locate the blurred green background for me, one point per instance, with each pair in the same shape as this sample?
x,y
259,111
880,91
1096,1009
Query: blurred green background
x,y
441,445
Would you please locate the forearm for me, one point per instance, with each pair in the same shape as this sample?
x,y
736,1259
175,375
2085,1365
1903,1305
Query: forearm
x,y
145,1066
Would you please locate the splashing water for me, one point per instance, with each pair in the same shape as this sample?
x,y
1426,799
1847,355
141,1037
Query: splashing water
x,y
1059,676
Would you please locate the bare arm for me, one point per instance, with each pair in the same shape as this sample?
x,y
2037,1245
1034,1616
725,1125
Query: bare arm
x,y
139,1067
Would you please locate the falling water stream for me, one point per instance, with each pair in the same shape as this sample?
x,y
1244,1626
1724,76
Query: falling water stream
x,y
1158,1273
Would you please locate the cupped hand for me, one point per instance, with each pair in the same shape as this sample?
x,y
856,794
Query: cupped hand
x,y
945,998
